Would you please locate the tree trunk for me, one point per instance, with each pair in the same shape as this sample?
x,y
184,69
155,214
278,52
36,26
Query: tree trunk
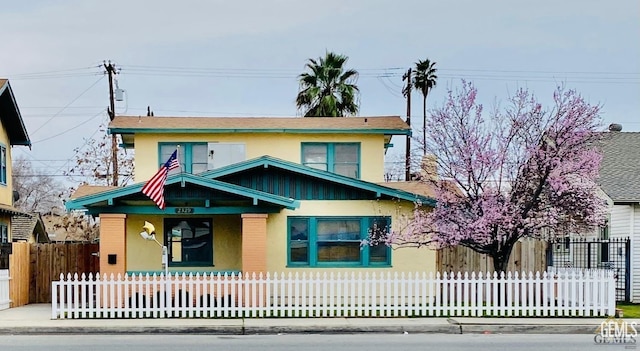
x,y
424,125
501,258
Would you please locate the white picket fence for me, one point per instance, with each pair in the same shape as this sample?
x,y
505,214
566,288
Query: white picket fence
x,y
5,302
371,294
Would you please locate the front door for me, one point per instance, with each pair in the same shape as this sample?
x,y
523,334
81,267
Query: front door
x,y
190,241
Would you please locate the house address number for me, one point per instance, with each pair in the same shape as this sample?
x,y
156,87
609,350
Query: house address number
x,y
184,210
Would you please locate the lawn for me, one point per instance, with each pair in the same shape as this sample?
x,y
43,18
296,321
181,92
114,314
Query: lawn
x,y
629,310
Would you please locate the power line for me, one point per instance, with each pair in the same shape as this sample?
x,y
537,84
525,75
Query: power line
x,y
70,129
72,101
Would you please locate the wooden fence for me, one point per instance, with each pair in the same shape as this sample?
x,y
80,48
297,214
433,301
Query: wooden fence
x,y
48,261
32,268
528,255
571,293
20,273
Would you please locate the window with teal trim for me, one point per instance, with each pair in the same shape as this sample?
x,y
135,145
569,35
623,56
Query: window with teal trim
x,y
191,156
3,165
336,241
190,241
340,158
4,234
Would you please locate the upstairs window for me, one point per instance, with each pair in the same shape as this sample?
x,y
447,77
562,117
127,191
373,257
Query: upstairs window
x,y
4,234
200,157
3,165
339,158
191,156
224,154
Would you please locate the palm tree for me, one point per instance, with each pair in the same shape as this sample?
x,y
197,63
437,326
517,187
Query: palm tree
x,y
328,90
423,81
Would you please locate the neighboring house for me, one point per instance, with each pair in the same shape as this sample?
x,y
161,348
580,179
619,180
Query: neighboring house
x,y
29,229
12,133
620,180
71,227
257,195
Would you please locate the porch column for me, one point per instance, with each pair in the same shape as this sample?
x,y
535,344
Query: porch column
x,y
254,243
113,242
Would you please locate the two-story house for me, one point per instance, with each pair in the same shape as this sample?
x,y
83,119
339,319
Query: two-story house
x,y
256,195
12,132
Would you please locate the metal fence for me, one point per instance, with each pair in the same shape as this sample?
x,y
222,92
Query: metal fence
x,y
610,254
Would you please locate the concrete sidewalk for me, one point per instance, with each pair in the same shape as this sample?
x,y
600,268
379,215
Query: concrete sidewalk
x,y
36,319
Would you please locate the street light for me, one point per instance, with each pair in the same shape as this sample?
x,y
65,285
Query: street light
x,y
149,233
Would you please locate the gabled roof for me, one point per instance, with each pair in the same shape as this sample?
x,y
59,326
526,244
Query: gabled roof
x,y
620,166
10,116
23,228
269,161
107,197
128,126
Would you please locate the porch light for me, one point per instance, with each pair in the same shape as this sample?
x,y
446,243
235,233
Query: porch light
x,y
149,233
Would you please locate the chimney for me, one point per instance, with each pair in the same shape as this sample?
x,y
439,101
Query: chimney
x,y
429,168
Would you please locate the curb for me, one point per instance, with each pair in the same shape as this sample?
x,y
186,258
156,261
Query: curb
x,y
270,330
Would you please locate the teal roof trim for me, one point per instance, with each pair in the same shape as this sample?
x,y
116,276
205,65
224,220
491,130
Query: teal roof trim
x,y
268,161
109,195
257,130
11,117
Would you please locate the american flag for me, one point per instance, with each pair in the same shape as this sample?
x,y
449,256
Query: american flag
x,y
154,188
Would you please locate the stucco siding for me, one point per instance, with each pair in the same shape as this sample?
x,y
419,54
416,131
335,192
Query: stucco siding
x,y
6,194
279,145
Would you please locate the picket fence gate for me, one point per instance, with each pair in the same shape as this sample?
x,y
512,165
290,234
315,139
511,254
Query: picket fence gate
x,y
321,294
5,301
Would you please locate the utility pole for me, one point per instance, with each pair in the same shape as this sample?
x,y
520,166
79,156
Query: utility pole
x,y
407,92
111,71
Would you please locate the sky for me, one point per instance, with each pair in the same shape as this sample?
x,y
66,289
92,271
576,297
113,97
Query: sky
x,y
241,58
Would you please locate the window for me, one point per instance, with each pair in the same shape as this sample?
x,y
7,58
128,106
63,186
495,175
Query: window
x,y
4,234
336,241
224,154
3,165
340,158
192,156
199,157
604,243
190,241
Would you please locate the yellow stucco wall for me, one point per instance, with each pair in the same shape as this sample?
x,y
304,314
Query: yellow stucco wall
x,y
6,194
147,255
227,243
402,259
280,145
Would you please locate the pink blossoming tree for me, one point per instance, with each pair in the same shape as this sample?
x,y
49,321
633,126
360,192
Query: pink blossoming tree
x,y
515,172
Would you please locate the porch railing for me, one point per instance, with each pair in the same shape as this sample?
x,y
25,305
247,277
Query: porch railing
x,y
321,294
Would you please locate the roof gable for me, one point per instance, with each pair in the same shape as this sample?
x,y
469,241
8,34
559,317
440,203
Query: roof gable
x,y
173,184
25,228
620,166
344,188
10,116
